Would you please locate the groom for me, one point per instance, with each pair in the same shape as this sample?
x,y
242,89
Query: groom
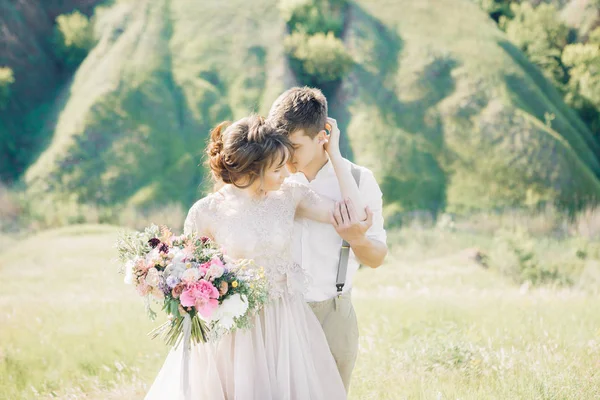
x,y
330,253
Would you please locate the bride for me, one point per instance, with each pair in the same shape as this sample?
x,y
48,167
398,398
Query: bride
x,y
285,354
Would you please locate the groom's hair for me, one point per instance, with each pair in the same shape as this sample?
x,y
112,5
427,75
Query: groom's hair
x,y
300,108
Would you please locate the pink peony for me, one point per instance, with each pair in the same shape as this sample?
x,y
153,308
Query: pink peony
x,y
216,269
203,295
203,268
206,307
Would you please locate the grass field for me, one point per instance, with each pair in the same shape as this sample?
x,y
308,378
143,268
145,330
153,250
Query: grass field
x,y
434,324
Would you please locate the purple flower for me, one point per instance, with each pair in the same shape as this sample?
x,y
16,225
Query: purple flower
x,y
164,248
172,281
154,242
164,288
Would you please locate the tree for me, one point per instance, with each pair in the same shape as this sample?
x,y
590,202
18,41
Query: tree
x,y
540,33
314,16
496,8
318,59
583,61
7,78
73,38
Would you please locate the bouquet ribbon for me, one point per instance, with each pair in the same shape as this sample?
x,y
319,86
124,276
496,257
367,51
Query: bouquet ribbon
x,y
185,360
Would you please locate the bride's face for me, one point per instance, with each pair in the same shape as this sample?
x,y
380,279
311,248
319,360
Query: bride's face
x,y
274,176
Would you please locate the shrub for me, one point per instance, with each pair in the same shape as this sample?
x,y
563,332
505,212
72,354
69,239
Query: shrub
x,y
318,59
73,38
171,215
496,8
540,33
515,256
314,16
10,210
584,63
583,89
6,80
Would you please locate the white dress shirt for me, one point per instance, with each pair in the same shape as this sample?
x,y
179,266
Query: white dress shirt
x,y
317,245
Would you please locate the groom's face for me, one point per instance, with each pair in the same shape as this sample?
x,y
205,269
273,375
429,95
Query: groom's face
x,y
305,150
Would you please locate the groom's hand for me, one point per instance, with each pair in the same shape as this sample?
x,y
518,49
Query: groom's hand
x,y
347,224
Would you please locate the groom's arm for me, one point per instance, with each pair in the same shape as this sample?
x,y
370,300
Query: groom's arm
x,y
366,238
369,251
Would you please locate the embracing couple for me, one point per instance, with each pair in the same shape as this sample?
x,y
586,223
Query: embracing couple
x,y
287,199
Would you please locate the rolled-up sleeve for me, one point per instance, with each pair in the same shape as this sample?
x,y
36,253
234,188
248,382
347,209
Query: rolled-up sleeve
x,y
373,197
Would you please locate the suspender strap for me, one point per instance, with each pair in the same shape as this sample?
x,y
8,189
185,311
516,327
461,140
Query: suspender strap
x,y
345,251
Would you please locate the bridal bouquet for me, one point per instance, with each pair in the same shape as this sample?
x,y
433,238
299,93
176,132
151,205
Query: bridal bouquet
x,y
204,293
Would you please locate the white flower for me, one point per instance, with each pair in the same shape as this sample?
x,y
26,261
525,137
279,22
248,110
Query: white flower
x,y
152,256
175,269
129,272
232,307
178,255
214,271
152,278
190,275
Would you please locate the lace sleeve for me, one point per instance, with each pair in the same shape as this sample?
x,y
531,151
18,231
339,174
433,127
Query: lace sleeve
x,y
189,225
309,203
198,220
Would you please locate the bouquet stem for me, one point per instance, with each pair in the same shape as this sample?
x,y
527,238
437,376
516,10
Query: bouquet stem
x,y
172,331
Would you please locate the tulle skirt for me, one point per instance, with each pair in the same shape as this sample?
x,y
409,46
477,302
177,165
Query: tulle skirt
x,y
284,356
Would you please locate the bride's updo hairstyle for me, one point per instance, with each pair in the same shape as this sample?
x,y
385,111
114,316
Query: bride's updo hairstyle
x,y
239,153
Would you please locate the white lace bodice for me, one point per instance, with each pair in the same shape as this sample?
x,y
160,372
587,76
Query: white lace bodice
x,y
256,229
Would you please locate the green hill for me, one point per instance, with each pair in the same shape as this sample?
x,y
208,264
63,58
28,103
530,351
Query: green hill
x,y
163,73
446,112
26,48
458,112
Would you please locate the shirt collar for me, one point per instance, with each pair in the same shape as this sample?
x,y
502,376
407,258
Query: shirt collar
x,y
325,171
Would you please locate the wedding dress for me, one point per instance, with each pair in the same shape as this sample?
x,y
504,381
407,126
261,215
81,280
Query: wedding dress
x,y
284,356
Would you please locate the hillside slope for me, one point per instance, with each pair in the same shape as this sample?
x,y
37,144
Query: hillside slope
x,y
461,117
26,28
164,72
446,112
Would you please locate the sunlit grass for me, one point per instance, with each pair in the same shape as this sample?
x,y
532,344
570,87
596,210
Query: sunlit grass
x,y
434,325
67,321
447,330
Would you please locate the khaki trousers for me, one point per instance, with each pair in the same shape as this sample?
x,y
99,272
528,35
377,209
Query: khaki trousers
x,y
338,319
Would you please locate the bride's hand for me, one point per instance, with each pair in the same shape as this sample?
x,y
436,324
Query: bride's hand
x,y
332,144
